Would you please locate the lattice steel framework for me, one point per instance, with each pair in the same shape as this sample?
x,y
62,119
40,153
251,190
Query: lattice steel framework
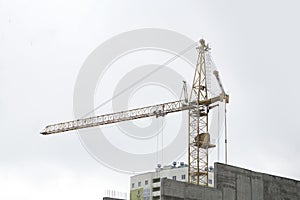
x,y
199,139
149,111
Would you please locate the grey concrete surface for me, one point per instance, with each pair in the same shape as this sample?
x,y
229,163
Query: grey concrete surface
x,y
234,183
242,184
175,190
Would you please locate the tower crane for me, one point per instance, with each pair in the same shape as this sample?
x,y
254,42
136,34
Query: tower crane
x,y
198,104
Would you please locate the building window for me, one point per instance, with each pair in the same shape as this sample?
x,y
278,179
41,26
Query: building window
x,y
174,178
139,184
156,180
132,185
209,181
146,182
183,176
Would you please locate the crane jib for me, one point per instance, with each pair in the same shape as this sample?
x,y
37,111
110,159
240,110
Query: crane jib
x,y
138,113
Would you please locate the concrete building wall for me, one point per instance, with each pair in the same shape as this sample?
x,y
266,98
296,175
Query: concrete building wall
x,y
242,184
175,190
234,183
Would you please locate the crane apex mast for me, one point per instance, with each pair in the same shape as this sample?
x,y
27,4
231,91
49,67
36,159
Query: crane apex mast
x,y
199,137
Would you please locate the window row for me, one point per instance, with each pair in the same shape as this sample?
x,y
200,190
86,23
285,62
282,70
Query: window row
x,y
139,184
182,177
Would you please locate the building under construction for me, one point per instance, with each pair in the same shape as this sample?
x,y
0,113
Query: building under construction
x,y
230,183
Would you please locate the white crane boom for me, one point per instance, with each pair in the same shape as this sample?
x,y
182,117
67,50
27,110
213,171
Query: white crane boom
x,y
149,111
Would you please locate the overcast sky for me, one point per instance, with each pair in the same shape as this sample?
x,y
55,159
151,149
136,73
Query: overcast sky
x,y
43,45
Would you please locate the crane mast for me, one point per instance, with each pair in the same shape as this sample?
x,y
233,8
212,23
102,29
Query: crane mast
x,y
197,105
199,138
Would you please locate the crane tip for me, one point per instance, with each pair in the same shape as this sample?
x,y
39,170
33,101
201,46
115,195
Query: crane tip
x,y
215,72
202,42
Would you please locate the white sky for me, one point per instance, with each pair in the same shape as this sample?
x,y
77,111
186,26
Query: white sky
x,y
44,43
